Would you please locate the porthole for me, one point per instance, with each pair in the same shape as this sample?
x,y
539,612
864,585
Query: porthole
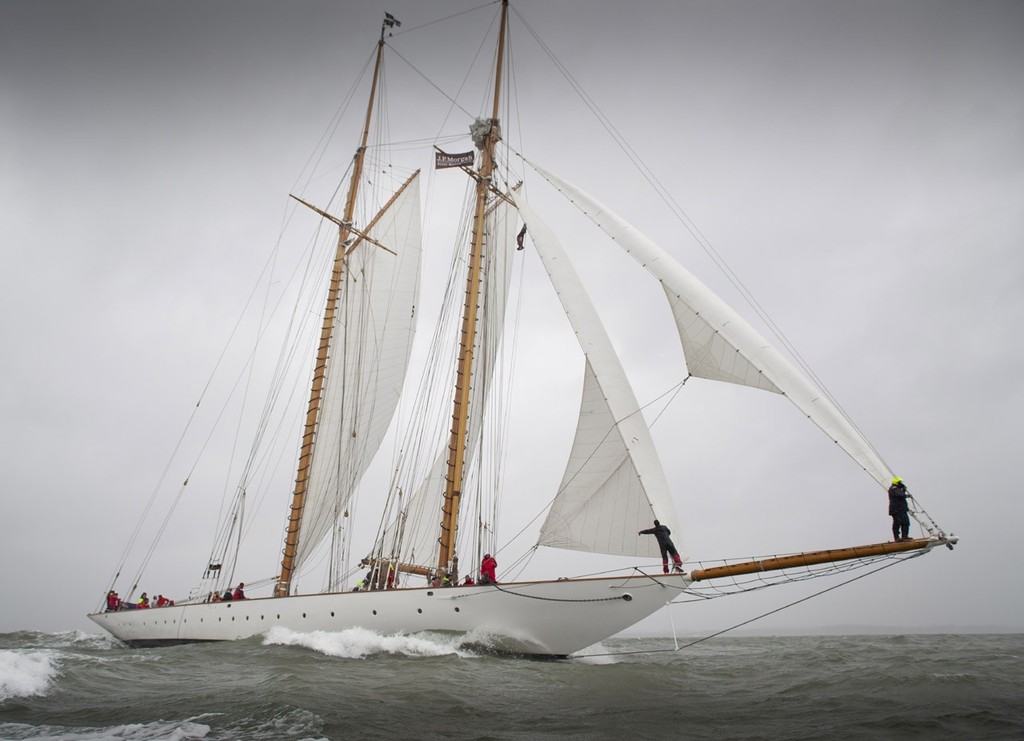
x,y
303,614
456,609
219,619
430,594
374,612
278,617
246,617
419,610
232,618
200,620
332,613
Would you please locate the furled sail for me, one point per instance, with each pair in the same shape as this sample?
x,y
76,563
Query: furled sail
x,y
718,343
366,367
613,484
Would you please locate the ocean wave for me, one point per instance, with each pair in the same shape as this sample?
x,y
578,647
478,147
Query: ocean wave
x,y
155,731
358,643
25,673
63,639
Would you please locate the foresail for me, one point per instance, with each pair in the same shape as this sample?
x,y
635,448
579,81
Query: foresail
x,y
366,367
718,343
614,484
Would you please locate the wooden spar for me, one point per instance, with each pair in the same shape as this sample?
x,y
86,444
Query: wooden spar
x,y
812,558
406,568
291,539
361,236
460,407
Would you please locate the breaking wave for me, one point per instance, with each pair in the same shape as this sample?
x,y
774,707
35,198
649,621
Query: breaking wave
x,y
163,730
358,643
25,673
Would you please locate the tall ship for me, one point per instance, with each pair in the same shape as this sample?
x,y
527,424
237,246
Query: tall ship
x,y
430,404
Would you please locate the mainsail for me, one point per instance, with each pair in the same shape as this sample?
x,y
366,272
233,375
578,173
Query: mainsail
x,y
718,343
614,484
417,527
367,362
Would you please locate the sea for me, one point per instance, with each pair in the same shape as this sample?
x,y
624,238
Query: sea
x,y
359,685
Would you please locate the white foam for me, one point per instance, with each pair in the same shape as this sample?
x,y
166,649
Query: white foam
x,y
156,731
358,643
81,639
596,654
25,673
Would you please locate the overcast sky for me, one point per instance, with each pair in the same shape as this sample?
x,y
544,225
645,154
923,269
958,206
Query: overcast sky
x,y
860,165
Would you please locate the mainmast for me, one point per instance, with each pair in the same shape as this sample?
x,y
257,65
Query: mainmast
x,y
489,135
291,541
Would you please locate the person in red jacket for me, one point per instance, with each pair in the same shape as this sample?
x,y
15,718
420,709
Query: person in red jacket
x,y
487,570
239,592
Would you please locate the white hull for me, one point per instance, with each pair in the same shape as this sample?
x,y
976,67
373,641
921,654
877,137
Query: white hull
x,y
547,618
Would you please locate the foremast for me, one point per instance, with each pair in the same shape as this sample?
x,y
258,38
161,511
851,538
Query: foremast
x,y
447,561
345,231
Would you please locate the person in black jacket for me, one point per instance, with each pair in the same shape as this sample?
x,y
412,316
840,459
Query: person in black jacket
x,y
666,545
899,510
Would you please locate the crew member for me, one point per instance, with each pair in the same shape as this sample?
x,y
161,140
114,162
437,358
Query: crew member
x,y
666,545
899,510
488,567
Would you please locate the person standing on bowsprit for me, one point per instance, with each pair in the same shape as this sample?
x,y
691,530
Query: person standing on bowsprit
x,y
666,545
899,510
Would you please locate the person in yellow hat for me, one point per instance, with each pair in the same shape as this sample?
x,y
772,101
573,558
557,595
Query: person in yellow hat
x,y
899,510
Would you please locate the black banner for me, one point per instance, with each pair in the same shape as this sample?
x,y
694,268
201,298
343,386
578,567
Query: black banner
x,y
443,160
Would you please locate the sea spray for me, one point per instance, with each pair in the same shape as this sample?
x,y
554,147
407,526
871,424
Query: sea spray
x,y
25,673
359,643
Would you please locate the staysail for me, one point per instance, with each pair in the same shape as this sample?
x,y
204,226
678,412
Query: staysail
x,y
718,343
366,366
614,484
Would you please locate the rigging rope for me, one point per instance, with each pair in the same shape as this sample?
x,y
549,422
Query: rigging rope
x,y
896,561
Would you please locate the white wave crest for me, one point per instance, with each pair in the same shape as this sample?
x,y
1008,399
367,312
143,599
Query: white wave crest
x,y
358,643
81,639
596,654
25,673
156,731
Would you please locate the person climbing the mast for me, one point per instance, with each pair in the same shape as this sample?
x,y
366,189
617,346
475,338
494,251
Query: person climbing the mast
x,y
666,545
899,510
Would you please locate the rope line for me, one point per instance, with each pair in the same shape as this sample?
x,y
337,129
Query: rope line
x,y
757,617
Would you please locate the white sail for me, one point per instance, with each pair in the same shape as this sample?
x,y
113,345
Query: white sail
x,y
419,526
718,343
614,484
369,354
